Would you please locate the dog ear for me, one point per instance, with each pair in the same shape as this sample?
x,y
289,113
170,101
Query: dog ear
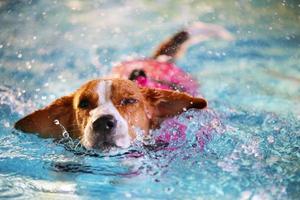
x,y
166,103
42,121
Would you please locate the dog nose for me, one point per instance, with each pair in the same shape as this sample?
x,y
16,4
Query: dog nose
x,y
105,124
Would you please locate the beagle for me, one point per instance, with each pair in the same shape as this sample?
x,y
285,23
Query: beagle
x,y
108,112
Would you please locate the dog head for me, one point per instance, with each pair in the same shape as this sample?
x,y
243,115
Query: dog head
x,y
107,112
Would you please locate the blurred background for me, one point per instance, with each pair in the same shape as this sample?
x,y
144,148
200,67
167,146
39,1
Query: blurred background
x,y
58,45
48,48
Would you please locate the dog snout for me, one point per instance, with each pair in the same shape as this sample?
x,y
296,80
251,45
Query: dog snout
x,y
105,124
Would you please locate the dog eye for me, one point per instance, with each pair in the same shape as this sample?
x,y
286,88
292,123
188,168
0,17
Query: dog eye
x,y
128,101
84,103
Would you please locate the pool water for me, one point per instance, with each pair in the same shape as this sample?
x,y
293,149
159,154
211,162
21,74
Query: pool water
x,y
245,146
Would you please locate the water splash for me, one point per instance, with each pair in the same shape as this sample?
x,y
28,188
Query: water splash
x,y
16,100
191,130
66,140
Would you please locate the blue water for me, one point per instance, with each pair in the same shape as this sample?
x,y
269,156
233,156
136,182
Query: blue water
x,y
252,84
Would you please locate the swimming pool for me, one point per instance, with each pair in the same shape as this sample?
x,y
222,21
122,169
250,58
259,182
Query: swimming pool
x,y
49,48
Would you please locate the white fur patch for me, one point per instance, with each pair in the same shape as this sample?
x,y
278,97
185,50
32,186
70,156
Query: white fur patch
x,y
105,107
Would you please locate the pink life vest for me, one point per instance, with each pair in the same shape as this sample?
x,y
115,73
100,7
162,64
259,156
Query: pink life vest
x,y
163,75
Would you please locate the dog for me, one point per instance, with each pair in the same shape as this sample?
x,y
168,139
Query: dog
x,y
108,112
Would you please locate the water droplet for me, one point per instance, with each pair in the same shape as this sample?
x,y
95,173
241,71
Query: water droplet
x,y
28,65
270,139
128,194
65,134
6,124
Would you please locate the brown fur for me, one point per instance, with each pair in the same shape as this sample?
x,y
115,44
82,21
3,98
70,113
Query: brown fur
x,y
42,121
152,105
171,47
